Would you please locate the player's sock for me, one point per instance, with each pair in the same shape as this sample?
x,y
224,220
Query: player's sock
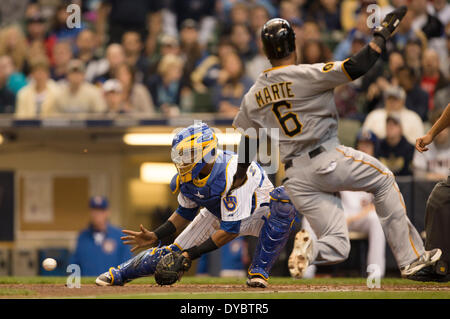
x,y
274,234
141,265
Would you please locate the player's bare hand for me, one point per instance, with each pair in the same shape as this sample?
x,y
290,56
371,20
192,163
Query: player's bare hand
x,y
139,239
422,142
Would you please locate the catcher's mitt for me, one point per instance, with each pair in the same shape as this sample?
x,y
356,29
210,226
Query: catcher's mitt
x,y
170,268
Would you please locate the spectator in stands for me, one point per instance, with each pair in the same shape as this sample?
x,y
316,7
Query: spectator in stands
x,y
59,30
7,97
37,98
350,97
435,163
407,34
165,86
376,89
14,44
440,9
424,21
85,50
441,97
413,55
395,152
132,46
99,246
259,15
115,56
309,31
416,97
76,95
201,11
327,13
168,44
239,14
191,51
342,51
231,86
62,54
314,51
112,91
206,74
35,28
136,97
394,102
241,38
289,10
14,80
432,78
120,16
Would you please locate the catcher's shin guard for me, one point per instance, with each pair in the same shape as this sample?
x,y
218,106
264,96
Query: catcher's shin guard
x,y
274,233
141,265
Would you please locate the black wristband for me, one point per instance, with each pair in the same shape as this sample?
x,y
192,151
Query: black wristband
x,y
166,229
205,247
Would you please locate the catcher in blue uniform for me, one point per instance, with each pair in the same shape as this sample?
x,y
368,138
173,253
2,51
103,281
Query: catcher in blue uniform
x,y
210,213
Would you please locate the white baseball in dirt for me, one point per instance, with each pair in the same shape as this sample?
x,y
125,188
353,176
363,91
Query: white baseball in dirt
x,y
49,264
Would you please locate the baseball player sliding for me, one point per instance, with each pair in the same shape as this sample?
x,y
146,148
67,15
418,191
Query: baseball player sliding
x,y
298,99
204,176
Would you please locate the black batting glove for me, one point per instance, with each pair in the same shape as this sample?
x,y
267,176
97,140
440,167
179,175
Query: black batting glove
x,y
390,23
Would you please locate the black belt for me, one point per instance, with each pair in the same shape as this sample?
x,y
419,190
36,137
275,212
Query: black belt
x,y
311,154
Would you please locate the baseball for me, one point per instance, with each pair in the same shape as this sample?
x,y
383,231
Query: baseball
x,y
49,264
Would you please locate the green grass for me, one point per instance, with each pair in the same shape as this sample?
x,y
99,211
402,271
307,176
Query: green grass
x,y
15,292
231,281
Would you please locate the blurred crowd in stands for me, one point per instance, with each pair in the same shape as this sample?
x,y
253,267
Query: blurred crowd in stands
x,y
174,57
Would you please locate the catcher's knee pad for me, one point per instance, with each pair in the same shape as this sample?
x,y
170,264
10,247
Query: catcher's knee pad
x,y
141,265
274,233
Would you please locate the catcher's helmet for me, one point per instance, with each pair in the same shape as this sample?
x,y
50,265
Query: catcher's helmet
x,y
192,148
278,38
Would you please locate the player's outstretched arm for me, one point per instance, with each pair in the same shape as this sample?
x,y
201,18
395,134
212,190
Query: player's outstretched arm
x,y
439,126
145,238
358,64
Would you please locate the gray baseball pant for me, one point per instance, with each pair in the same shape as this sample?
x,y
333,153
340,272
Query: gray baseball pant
x,y
313,183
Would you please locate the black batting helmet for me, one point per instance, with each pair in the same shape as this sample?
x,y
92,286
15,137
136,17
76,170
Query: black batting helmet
x,y
278,38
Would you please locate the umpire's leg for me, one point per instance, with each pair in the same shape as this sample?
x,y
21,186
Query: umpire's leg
x,y
437,219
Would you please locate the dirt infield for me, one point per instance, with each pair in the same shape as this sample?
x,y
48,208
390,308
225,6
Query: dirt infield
x,y
92,291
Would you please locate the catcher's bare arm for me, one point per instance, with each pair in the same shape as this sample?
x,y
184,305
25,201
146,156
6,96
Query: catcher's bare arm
x,y
439,126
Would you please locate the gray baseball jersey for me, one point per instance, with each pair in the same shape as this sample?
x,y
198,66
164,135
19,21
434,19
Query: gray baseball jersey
x,y
297,99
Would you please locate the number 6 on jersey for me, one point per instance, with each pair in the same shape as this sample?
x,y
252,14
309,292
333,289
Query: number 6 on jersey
x,y
283,119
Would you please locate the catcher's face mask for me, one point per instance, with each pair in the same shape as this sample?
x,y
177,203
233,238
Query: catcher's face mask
x,y
193,151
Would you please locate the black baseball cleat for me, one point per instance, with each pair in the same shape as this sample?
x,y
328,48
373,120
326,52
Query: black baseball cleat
x,y
428,258
433,273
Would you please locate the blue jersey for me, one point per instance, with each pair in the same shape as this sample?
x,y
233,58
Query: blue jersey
x,y
95,257
210,192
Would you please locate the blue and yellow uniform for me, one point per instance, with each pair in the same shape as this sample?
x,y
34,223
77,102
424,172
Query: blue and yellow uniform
x,y
255,208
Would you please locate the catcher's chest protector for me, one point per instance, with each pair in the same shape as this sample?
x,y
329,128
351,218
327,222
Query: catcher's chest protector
x,y
437,223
